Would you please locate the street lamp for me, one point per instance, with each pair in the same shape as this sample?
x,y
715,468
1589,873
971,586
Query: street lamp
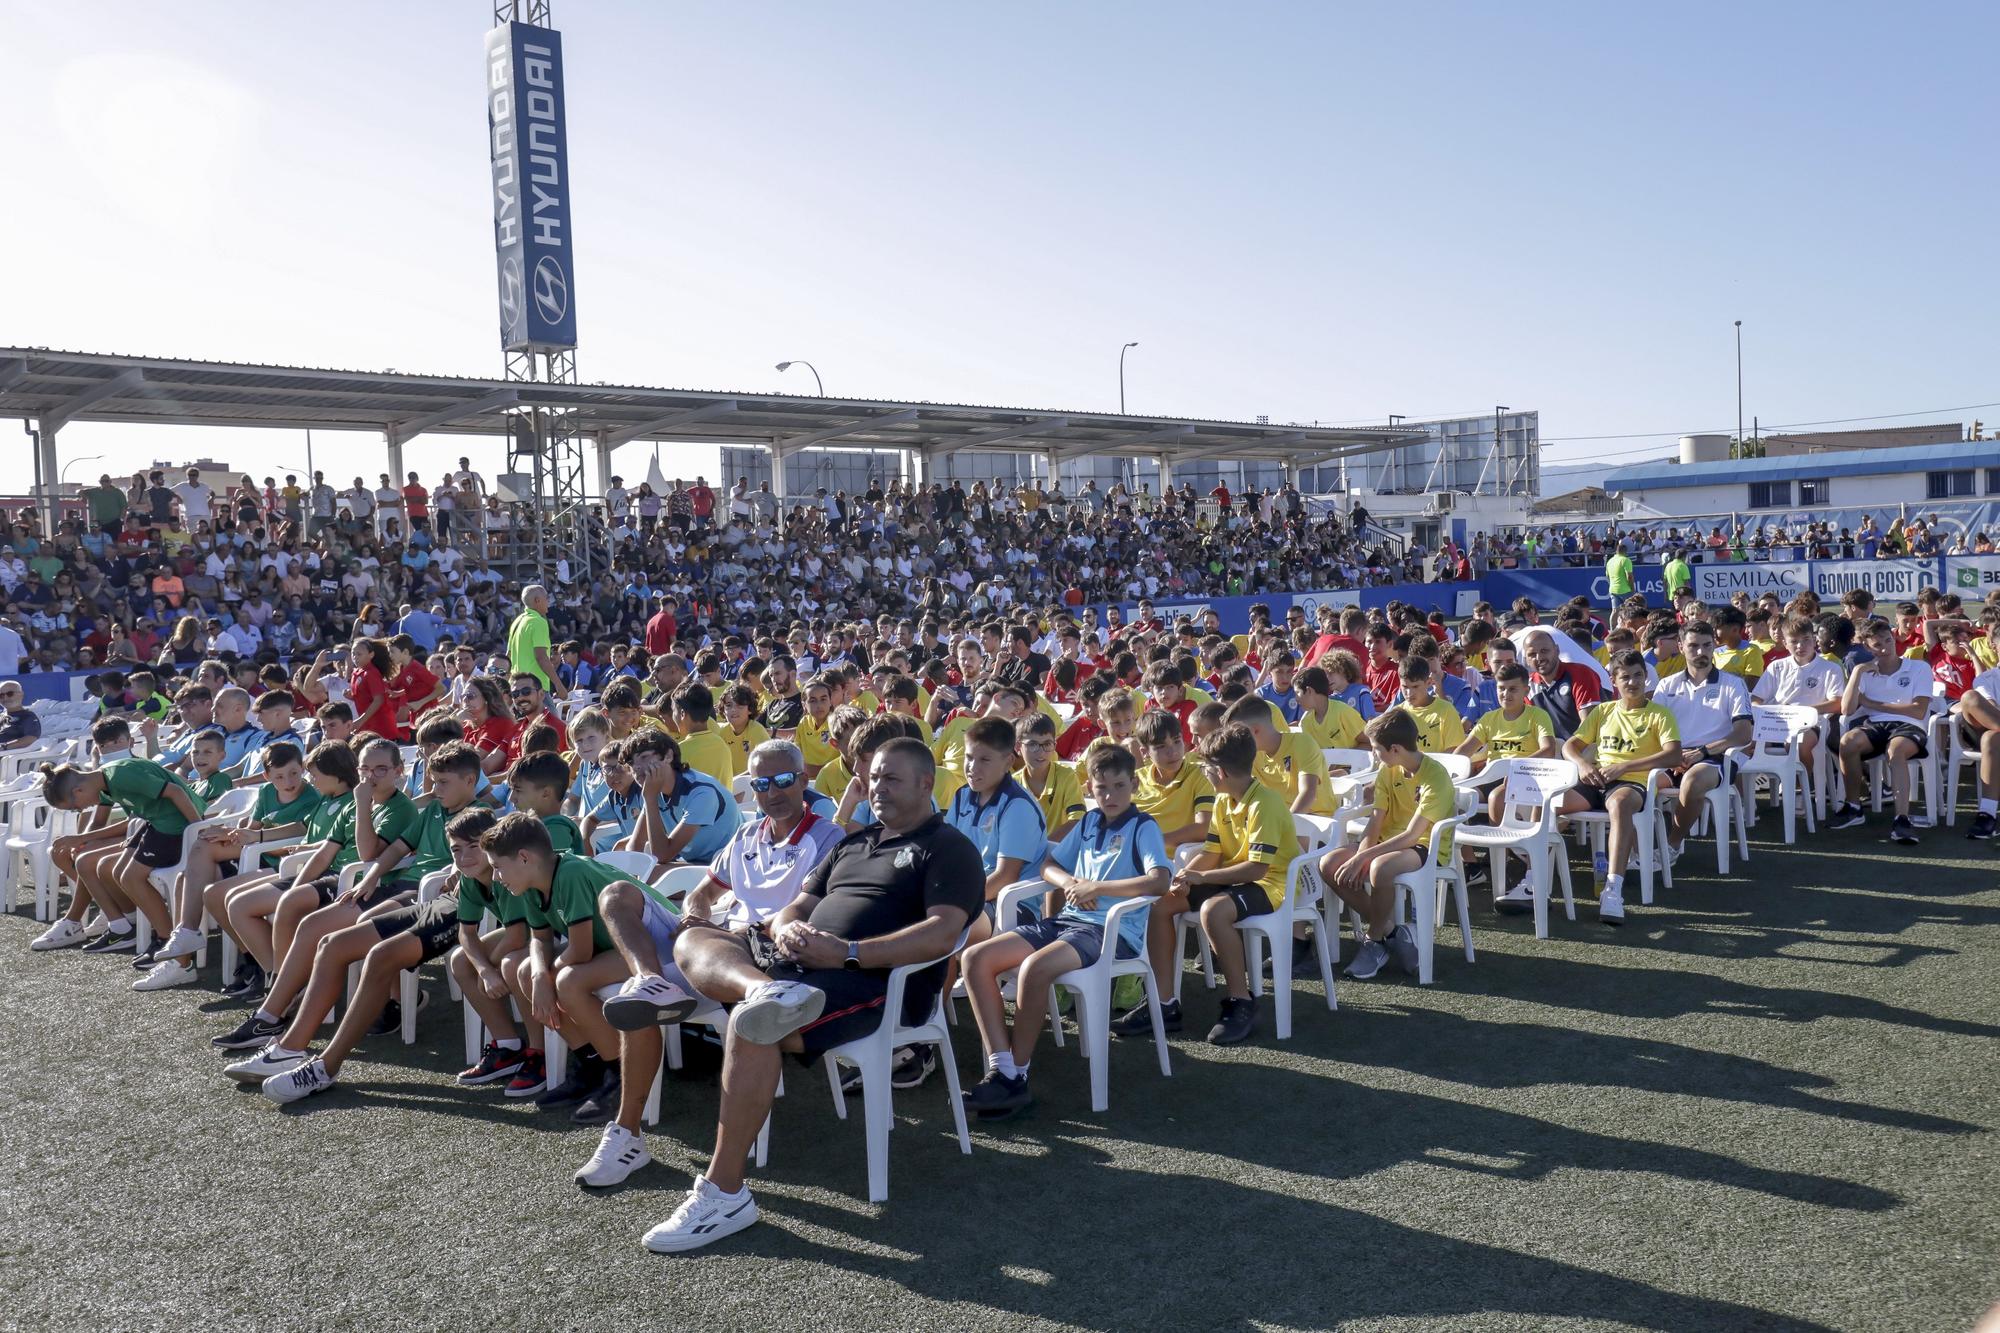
x,y
62,477
787,365
1739,388
1121,376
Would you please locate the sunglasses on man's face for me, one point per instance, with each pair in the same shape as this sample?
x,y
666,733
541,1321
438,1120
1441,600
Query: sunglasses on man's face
x,y
522,694
781,781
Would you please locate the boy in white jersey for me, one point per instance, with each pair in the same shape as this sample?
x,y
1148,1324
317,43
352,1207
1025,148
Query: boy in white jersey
x,y
1804,680
1886,703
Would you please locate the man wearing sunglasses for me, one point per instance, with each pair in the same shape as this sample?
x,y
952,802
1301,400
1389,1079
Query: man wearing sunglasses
x,y
530,704
759,872
20,725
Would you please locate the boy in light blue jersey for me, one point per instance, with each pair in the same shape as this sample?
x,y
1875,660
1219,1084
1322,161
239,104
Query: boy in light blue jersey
x,y
1113,852
1002,817
686,815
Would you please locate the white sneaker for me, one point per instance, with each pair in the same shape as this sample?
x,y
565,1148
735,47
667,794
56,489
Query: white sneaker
x,y
172,972
64,934
705,1215
777,1009
300,1083
619,1153
273,1059
1611,906
647,1001
183,943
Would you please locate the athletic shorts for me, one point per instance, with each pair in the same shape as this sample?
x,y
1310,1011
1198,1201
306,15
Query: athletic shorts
x,y
328,888
1725,762
1249,898
1879,735
435,924
662,925
152,848
764,955
1596,795
1086,937
853,1004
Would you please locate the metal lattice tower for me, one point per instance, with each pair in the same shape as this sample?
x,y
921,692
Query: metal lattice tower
x,y
546,435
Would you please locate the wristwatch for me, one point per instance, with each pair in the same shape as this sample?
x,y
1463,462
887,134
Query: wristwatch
x,y
853,963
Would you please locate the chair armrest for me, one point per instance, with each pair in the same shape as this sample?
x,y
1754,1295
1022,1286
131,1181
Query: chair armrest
x,y
1112,919
1015,894
432,885
293,864
1439,831
892,1001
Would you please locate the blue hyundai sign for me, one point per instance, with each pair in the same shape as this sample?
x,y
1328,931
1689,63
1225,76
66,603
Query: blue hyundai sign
x,y
531,235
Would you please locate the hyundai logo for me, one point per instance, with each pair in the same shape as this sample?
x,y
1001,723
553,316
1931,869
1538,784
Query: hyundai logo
x,y
551,289
510,292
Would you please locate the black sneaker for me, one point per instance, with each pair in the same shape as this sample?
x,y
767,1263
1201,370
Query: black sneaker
x,y
1982,828
585,1073
250,983
495,1063
114,942
1237,1021
997,1097
391,1017
913,1064
1847,816
1138,1022
1900,830
144,962
252,1033
1305,959
602,1104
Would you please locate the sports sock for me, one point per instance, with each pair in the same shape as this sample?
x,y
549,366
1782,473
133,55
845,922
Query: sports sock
x,y
1003,1064
117,925
509,1043
1615,883
1020,1071
266,1016
1988,806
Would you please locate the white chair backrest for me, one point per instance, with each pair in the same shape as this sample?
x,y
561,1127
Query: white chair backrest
x,y
1778,727
1349,759
679,879
1458,765
1315,831
739,787
236,801
1531,785
637,864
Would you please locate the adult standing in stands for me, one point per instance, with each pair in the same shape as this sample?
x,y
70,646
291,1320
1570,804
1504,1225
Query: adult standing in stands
x,y
360,502
197,500
1678,574
107,506
1618,574
319,505
662,629
529,648
388,505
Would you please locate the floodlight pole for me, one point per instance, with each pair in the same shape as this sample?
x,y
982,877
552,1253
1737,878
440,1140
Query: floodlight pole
x,y
1121,376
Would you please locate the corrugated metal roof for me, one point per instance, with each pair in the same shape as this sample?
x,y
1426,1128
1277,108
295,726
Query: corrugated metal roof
x,y
1659,476
39,383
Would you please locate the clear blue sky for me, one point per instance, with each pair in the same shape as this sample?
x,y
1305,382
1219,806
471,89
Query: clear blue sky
x,y
1316,211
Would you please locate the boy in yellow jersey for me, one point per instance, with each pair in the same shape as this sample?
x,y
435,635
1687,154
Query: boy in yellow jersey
x,y
1048,779
1618,742
1326,721
1663,648
1438,724
1239,873
903,696
1412,792
1118,712
810,734
1287,761
1514,730
741,730
703,748
1733,650
841,724
1171,789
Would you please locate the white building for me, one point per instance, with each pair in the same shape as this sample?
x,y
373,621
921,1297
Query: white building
x,y
1799,484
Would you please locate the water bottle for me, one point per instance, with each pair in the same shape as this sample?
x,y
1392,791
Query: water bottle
x,y
1600,867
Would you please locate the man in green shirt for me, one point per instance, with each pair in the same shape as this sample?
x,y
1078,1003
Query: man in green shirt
x,y
1618,573
107,507
528,645
1678,575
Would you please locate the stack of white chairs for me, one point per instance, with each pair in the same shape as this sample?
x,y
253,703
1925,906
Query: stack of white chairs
x,y
31,826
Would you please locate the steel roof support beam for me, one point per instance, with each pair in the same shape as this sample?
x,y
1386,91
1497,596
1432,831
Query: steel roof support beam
x,y
798,442
1040,426
64,412
12,373
706,412
1081,448
401,431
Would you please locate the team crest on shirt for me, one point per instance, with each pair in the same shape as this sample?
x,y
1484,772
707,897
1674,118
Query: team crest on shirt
x,y
1116,847
988,824
906,858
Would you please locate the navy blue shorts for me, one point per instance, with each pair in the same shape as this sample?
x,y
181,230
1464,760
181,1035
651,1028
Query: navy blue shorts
x,y
1086,937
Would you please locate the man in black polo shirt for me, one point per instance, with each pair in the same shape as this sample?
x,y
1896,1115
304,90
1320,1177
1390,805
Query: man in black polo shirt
x,y
899,892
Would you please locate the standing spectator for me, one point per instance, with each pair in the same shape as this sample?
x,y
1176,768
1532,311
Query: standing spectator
x,y
529,647
321,505
360,502
701,502
159,500
662,629
197,500
107,506
415,503
388,503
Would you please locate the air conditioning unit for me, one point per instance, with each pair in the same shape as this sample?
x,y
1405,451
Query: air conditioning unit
x,y
1442,502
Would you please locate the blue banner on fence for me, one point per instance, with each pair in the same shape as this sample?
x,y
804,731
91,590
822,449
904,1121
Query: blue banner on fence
x,y
1234,612
531,234
1553,587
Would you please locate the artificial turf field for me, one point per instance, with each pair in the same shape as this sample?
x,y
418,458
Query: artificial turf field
x,y
1765,1103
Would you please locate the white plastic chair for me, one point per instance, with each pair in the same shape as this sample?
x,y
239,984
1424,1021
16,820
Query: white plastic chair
x,y
1528,815
874,1055
639,865
1305,901
739,787
1649,826
227,811
1774,755
1948,744
1425,889
1092,988
406,981
1725,812
31,829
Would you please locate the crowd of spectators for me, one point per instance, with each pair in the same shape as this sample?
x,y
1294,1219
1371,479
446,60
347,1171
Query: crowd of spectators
x,y
162,572
1580,546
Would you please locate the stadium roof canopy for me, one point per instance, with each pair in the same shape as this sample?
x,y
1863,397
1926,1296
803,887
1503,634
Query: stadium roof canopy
x,y
55,388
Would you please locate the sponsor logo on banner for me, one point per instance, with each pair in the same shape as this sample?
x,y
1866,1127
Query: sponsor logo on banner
x,y
1169,612
1884,578
1718,583
1311,602
1972,573
530,154
1650,583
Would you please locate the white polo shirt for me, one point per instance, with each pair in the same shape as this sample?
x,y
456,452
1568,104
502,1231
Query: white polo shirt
x,y
1785,681
1986,682
1704,712
1910,681
763,876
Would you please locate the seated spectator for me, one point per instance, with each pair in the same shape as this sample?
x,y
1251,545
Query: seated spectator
x,y
1412,792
